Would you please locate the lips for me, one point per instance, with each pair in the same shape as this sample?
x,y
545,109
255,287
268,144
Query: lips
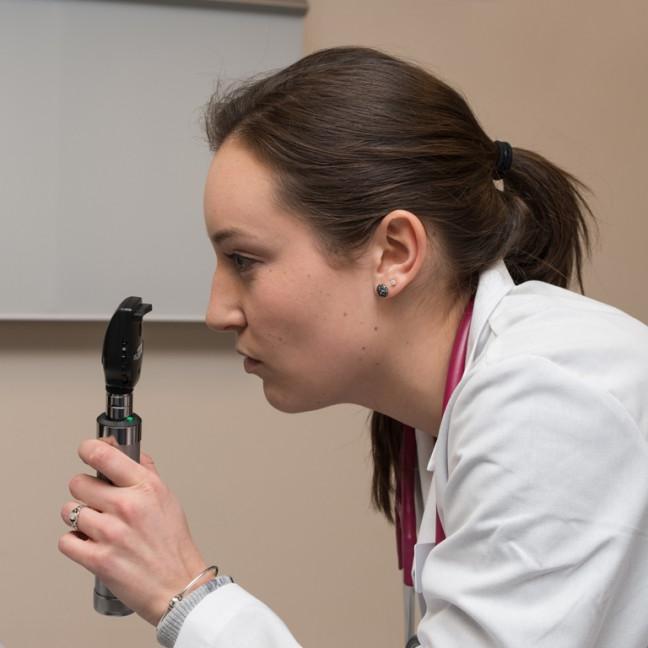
x,y
246,355
250,364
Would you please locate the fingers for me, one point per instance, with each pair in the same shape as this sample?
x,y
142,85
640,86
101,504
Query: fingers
x,y
90,524
94,525
82,551
113,463
126,473
94,492
147,461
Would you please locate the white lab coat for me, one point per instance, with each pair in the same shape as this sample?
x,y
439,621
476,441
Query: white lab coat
x,y
540,474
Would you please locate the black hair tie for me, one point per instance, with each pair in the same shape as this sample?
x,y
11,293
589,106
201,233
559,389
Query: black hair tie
x,y
504,159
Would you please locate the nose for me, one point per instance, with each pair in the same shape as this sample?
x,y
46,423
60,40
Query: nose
x,y
224,312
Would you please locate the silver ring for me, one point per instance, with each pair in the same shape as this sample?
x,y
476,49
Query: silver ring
x,y
74,516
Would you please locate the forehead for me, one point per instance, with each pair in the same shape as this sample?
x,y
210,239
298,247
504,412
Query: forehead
x,y
240,194
233,165
236,181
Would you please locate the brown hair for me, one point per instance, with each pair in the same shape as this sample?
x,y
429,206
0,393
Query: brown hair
x,y
353,133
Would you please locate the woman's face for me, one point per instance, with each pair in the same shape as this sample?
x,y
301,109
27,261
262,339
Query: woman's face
x,y
311,326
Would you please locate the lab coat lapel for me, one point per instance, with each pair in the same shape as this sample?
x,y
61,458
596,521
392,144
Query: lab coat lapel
x,y
426,536
494,284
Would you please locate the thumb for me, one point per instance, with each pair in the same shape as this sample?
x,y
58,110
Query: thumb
x,y
147,461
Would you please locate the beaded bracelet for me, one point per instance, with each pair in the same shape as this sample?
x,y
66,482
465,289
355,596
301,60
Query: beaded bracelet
x,y
178,597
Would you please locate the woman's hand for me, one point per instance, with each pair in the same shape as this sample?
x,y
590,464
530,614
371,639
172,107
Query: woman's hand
x,y
138,542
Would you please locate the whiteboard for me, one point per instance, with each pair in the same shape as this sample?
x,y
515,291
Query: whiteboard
x,y
102,153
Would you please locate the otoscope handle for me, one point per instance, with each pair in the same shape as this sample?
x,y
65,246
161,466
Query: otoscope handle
x,y
126,435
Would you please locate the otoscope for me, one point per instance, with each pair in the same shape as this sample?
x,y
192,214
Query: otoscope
x,y
122,362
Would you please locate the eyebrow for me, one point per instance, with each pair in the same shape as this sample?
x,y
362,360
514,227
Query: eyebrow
x,y
220,236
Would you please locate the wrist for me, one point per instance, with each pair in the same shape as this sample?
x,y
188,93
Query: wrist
x,y
201,576
168,628
161,602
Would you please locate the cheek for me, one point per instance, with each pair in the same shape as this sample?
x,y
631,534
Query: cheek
x,y
311,318
275,315
335,327
320,347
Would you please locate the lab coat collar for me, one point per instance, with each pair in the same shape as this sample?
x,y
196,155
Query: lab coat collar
x,y
494,284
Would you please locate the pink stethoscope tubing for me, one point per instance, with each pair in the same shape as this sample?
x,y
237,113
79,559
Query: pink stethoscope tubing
x,y
406,479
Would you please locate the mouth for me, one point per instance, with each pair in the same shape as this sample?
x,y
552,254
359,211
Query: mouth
x,y
246,355
249,363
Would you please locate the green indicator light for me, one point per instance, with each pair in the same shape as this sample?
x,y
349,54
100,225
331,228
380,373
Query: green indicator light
x,y
130,419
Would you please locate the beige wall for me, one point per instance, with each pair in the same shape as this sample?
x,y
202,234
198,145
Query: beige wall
x,y
266,493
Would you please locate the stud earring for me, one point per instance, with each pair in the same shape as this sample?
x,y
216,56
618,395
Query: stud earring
x,y
382,290
392,282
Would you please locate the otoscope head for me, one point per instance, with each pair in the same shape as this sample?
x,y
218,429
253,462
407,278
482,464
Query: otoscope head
x,y
122,349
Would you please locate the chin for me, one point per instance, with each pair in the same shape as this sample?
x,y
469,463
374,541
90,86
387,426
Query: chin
x,y
290,401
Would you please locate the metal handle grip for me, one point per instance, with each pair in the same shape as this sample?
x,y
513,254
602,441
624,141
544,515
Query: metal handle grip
x,y
126,435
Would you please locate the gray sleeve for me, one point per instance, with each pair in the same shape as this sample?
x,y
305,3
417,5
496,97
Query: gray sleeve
x,y
168,629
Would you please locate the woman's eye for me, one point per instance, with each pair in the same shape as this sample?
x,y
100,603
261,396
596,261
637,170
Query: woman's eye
x,y
240,262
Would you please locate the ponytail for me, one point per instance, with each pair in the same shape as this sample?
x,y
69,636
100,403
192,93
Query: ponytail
x,y
549,235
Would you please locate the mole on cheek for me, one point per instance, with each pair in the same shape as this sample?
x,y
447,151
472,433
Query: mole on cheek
x,y
364,348
375,328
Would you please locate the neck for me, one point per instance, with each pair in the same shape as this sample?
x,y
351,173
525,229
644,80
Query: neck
x,y
410,384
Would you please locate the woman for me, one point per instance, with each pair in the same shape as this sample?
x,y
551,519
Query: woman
x,y
361,218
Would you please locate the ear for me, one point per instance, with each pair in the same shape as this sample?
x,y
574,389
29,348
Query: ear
x,y
400,245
